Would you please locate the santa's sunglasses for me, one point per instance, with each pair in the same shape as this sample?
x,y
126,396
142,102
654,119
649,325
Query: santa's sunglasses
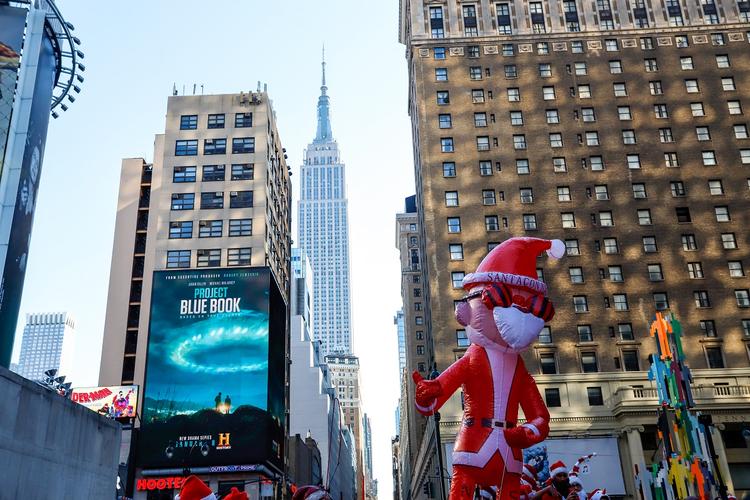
x,y
500,295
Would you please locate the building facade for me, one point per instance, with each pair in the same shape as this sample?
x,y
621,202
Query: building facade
x,y
398,320
48,342
217,195
324,233
621,129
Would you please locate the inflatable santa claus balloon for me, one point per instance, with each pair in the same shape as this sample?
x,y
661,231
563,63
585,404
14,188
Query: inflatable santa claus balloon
x,y
503,312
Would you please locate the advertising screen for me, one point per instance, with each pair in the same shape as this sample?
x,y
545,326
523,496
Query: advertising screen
x,y
214,387
112,402
11,40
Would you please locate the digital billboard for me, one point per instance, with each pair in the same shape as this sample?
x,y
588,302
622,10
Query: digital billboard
x,y
112,402
214,386
11,40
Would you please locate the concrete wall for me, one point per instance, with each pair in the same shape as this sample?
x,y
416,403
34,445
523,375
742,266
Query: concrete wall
x,y
52,448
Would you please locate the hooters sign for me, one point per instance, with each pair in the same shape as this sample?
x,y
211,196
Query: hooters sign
x,y
159,483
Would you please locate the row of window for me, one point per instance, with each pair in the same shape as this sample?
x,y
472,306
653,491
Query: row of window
x,y
208,257
189,147
212,200
241,120
210,228
239,172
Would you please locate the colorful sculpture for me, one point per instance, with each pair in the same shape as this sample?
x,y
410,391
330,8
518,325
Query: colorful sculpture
x,y
503,313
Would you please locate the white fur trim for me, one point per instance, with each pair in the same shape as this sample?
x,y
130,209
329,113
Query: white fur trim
x,y
317,495
209,497
557,249
557,471
507,278
533,428
426,409
574,479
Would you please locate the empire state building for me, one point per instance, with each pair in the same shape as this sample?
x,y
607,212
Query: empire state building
x,y
324,232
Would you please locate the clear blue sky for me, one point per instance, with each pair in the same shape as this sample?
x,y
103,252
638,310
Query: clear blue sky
x,y
135,51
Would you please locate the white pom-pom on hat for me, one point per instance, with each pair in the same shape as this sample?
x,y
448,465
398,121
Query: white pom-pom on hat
x,y
556,249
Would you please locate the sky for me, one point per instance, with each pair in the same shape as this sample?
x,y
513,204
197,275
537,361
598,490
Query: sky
x,y
135,52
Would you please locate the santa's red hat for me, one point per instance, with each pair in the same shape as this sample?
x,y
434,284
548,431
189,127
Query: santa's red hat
x,y
195,489
597,494
556,468
513,262
236,494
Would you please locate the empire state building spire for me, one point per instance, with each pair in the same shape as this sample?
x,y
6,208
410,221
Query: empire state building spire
x,y
324,133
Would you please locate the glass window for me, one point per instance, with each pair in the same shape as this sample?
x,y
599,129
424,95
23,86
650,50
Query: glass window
x,y
683,214
519,141
475,73
552,397
209,257
588,362
548,93
444,120
727,84
708,327
709,157
722,61
735,108
183,174
628,137
516,118
443,97
438,52
611,45
620,89
178,258
615,274
584,333
451,198
491,223
655,272
665,135
446,144
243,145
511,71
576,47
634,161
655,87
457,279
240,227
740,131
597,163
735,269
691,86
592,138
188,122
620,301
514,94
239,256
630,360
461,339
454,224
183,201
572,248
522,167
214,146
212,199
547,363
714,357
485,168
601,192
483,143
588,115
210,228
696,108
626,331
456,251
545,70
181,229
701,299
580,303
660,111
650,65
745,156
661,302
473,51
615,67
688,242
488,197
449,169
213,173
595,396
639,190
715,187
240,199
243,120
686,63
728,241
584,91
553,116
743,299
559,165
243,171
623,112
722,214
216,121
568,220
580,68
529,222
186,147
480,119
610,246
703,133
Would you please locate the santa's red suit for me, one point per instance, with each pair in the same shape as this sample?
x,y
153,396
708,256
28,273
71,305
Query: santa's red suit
x,y
503,313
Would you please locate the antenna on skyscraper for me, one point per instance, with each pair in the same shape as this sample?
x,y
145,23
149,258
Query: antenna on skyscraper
x,y
174,88
194,85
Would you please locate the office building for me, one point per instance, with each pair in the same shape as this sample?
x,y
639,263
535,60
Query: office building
x,y
48,343
620,128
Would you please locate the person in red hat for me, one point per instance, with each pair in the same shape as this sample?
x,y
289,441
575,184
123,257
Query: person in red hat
x,y
195,489
235,494
503,313
598,494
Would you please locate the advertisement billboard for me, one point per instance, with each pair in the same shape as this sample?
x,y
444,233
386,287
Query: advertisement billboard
x,y
215,370
113,402
11,41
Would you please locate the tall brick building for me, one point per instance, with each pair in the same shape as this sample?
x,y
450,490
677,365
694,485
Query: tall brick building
x,y
620,128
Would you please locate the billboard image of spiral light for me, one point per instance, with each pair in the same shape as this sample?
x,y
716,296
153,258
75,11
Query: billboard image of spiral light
x,y
214,387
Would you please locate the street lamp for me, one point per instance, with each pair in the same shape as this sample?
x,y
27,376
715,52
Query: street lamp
x,y
433,375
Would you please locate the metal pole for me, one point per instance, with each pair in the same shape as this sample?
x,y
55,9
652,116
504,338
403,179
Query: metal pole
x,y
439,454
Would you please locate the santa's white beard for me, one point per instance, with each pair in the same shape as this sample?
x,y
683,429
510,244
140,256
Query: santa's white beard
x,y
517,328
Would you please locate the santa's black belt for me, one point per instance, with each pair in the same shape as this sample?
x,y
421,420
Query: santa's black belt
x,y
490,422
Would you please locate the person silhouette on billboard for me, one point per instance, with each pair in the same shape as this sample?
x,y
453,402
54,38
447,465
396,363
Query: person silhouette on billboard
x,y
217,400
227,404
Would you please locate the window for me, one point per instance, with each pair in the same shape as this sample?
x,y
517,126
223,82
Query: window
x,y
576,274
620,301
436,22
735,269
615,274
714,357
683,214
243,171
529,222
213,173
519,141
456,251
183,174
446,144
240,199
740,131
620,89
647,43
444,120
475,73
480,119
516,118
597,163
214,146
545,70
527,195
728,241
722,61
709,157
580,303
610,246
483,143
703,133
571,247
552,397
491,223
681,41
696,108
514,95
649,244
438,52
511,71
461,339
722,214
655,272
671,160
522,167
611,45
568,219
655,87
592,138
186,147
473,51
691,86
563,193
701,299
605,218
708,327
650,65
588,115
595,396
585,334
178,258
181,229
677,188
601,192
477,96
457,279
542,48
688,242
503,18
210,228
485,168
746,327
488,196
626,331
553,116
623,112
240,227
449,169
639,190
745,156
547,363
243,145
584,91
559,165
451,198
715,187
634,161
630,361
665,135
686,63
615,67
735,108
580,68
508,49
576,47
454,224
660,111
743,299
628,137
548,93
211,200
188,122
443,97
727,84
209,258
183,201
470,20
717,39
243,120
588,362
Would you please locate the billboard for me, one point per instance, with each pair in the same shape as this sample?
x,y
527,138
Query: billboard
x,y
215,370
112,402
11,41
